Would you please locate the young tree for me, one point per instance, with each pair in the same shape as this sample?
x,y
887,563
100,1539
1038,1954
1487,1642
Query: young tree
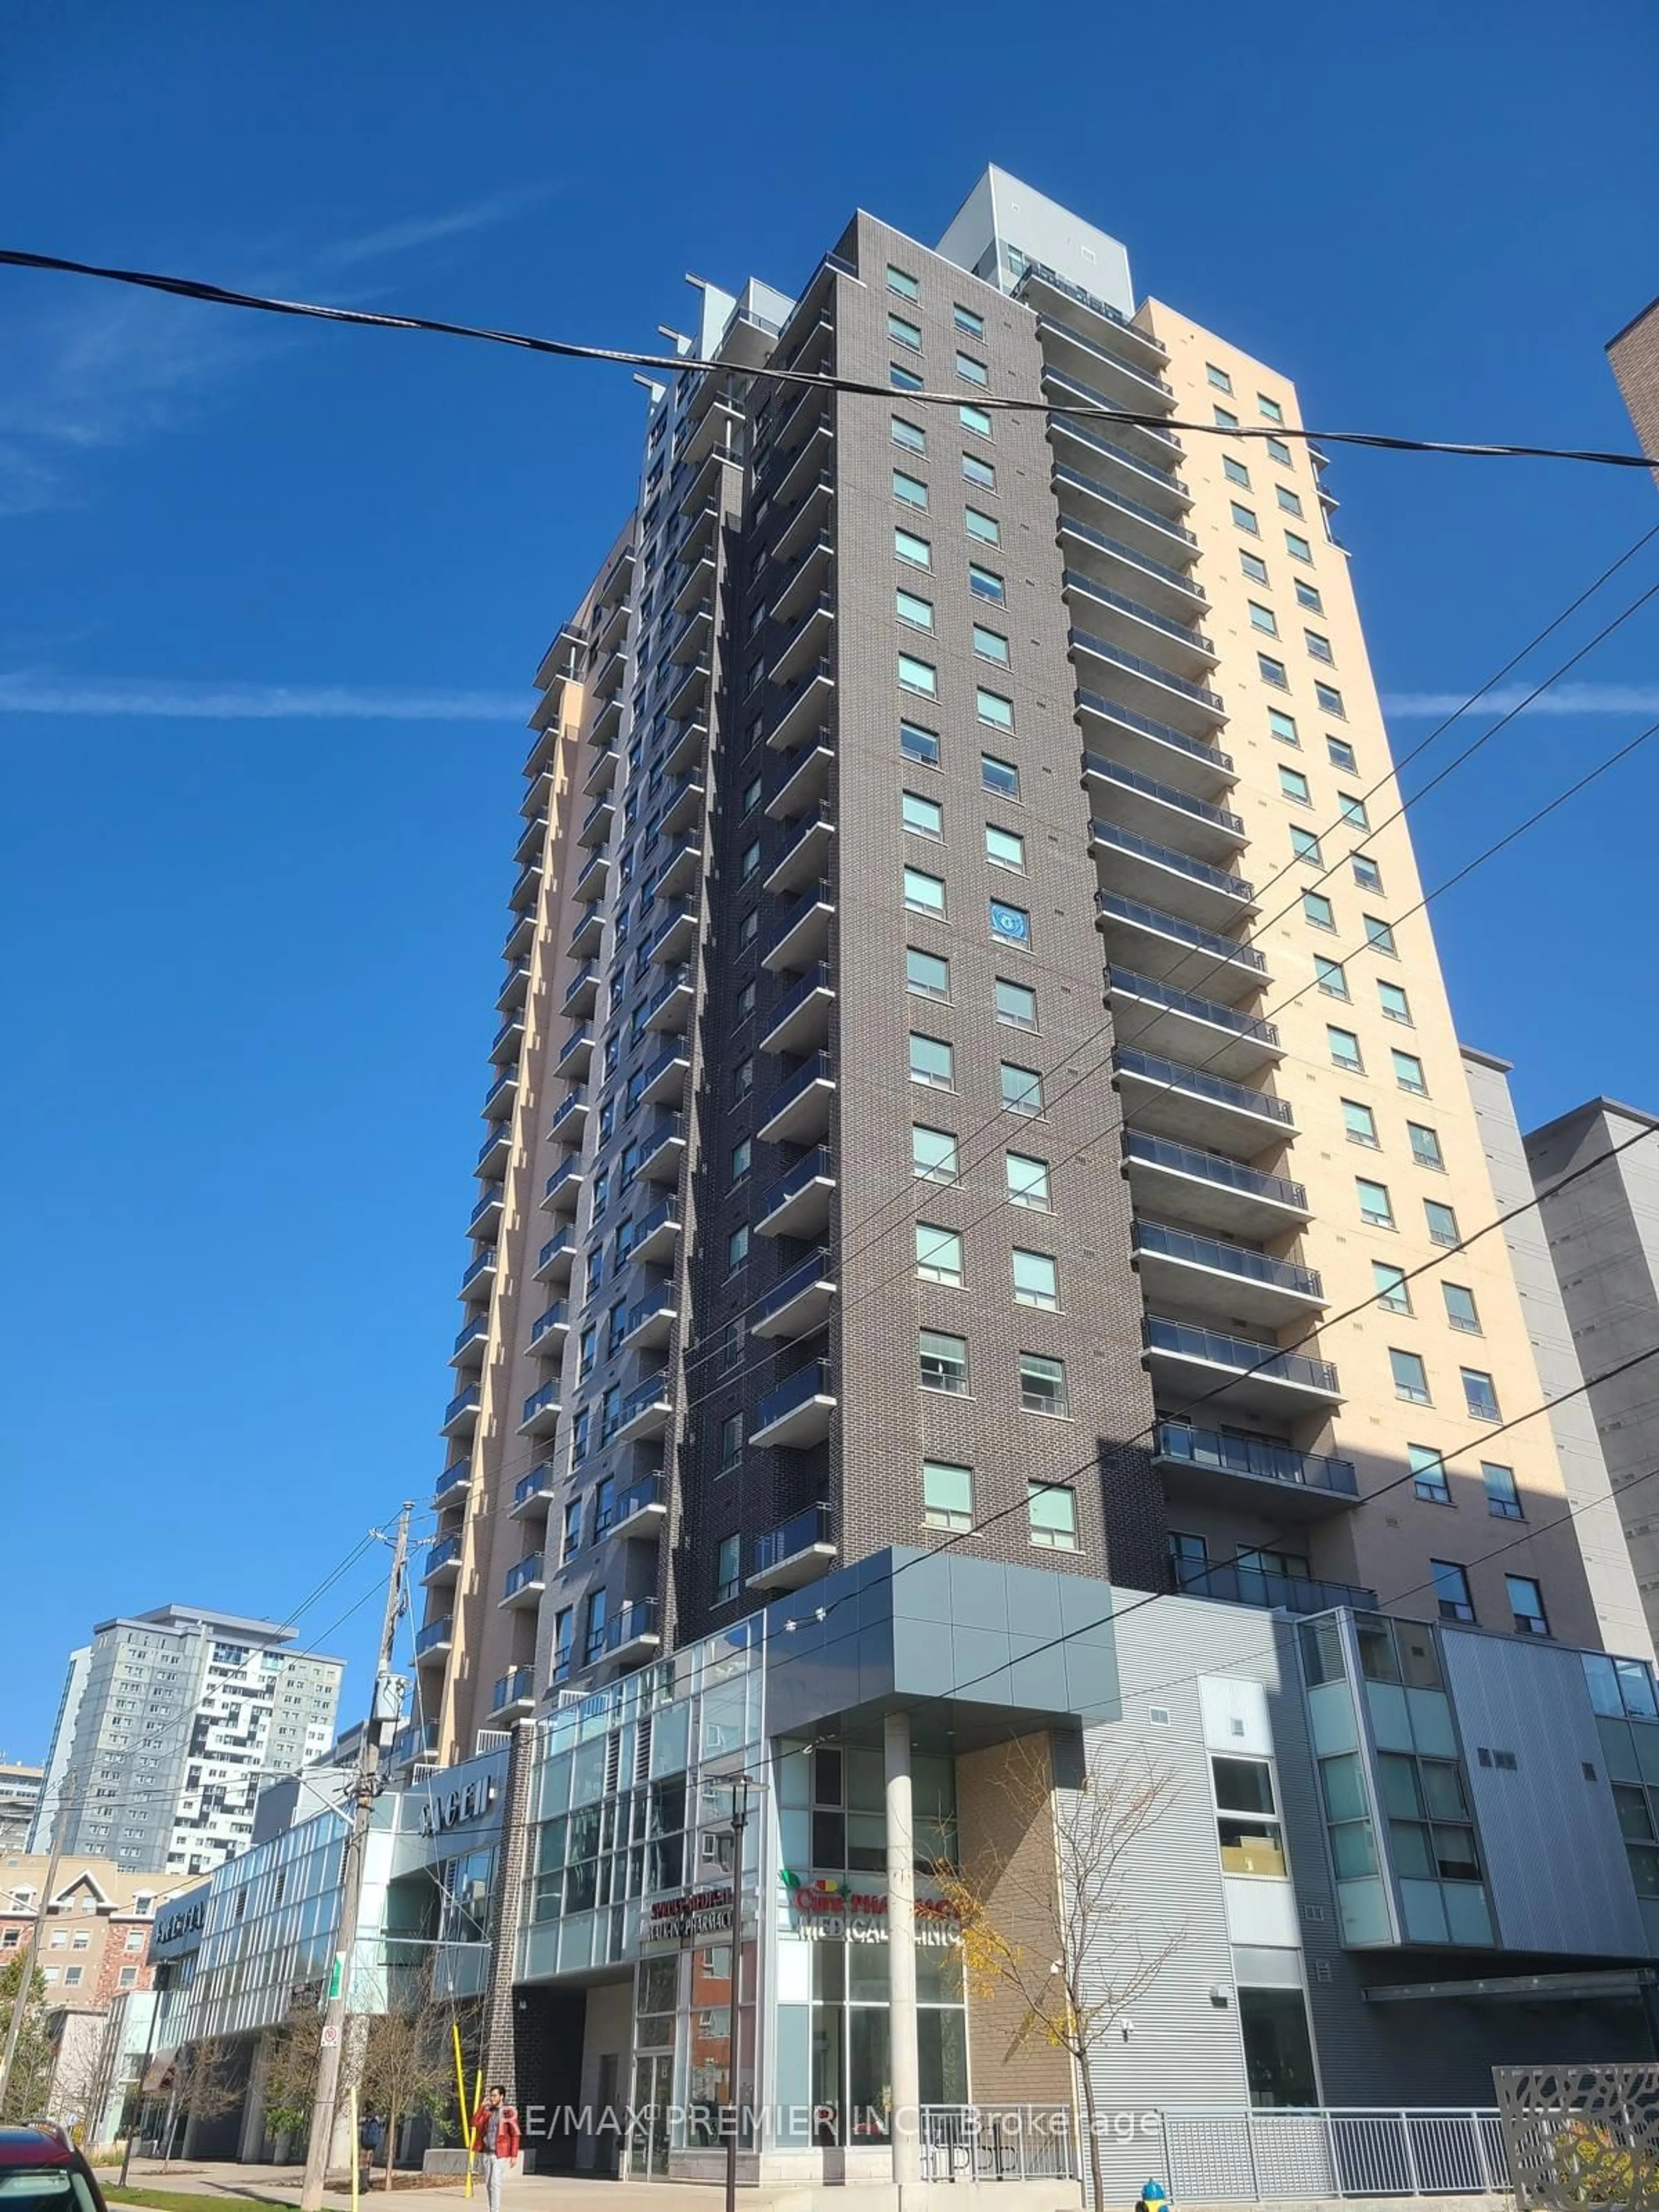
x,y
290,2074
1050,1929
21,1981
407,2061
203,2087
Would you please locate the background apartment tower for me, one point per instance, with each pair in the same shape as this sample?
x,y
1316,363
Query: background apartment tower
x,y
1634,354
171,1723
968,1041
20,1796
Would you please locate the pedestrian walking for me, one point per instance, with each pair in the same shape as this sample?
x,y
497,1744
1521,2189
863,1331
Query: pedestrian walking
x,y
495,2142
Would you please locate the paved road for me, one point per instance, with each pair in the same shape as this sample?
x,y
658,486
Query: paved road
x,y
280,2184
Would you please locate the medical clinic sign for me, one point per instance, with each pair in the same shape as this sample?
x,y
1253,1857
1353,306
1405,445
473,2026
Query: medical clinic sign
x,y
686,1919
830,1911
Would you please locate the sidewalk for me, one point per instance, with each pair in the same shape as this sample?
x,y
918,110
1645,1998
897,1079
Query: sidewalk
x,y
280,2184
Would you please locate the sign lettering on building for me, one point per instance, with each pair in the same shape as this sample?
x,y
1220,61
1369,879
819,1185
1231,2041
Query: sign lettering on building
x,y
441,1810
688,1917
828,1909
187,1920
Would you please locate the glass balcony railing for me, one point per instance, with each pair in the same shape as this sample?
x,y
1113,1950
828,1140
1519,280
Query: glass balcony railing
x,y
464,1401
1133,780
566,1176
1176,577
565,1241
1039,273
798,1533
654,1391
1063,474
574,1101
804,1171
814,1269
1061,388
807,1382
1174,1075
1082,641
455,1476
527,1573
1184,1002
814,1069
517,1688
1183,632
1259,1457
821,672
499,1133
1230,1259
543,1400
1237,1583
1243,1354
472,1332
538,1483
667,1130
1146,376
1119,908
483,1266
441,1554
1166,856
1213,1167
641,1497
437,1636
556,1320
816,979
1097,703
637,1618
657,1306
492,1196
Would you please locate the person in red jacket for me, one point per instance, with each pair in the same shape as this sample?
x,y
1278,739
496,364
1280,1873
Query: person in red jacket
x,y
495,2142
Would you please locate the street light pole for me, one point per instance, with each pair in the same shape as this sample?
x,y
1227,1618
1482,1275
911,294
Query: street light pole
x,y
741,1786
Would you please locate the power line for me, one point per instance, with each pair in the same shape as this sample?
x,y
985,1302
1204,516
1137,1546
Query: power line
x,y
189,288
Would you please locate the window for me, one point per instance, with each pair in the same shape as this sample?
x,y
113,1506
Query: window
x,y
1217,377
1053,1516
1041,1383
1254,566
748,931
1288,501
1329,701
1283,726
1305,845
1342,755
902,379
1366,873
737,1247
1379,936
1425,1146
1389,1284
971,371
1297,547
999,776
985,584
730,1441
128,1977
1360,1123
947,1495
925,974
749,861
1270,408
910,490
944,1362
73,1977
1319,646
1460,1308
1279,451
1375,1207
975,419
985,527
1306,596
1408,1072
933,1061
1395,1004
728,1569
1428,1476
1503,1500
751,794
909,547
1251,1840
571,1541
932,1154
990,644
1004,849
1330,977
1027,1181
1345,1048
1036,1280
1318,911
1234,471
910,435
991,707
938,1254
905,287
1244,519
923,894
1224,418
1442,1222
1411,1378
904,333
922,818
1294,786
1016,1005
743,1157
1011,924
745,1002
918,745
1526,1607
965,318
1272,672
979,472
1479,1397
1021,1089
1262,618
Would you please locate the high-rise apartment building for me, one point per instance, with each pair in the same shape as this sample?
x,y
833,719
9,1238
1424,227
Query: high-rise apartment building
x,y
171,1723
20,1795
1634,354
971,1064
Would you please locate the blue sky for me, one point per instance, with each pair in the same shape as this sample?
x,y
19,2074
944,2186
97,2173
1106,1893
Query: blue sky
x,y
269,597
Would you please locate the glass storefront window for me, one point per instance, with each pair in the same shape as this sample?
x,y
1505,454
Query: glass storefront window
x,y
1277,2050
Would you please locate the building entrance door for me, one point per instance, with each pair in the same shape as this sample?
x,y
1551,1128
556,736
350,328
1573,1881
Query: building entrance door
x,y
647,2134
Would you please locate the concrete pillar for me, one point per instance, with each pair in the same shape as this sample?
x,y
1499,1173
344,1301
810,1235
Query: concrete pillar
x,y
904,2054
499,2057
251,2148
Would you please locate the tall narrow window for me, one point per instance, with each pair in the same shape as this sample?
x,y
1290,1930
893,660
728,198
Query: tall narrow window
x,y
938,1254
947,1495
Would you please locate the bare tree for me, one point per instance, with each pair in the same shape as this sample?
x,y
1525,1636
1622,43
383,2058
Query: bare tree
x,y
1051,1930
408,2062
202,2087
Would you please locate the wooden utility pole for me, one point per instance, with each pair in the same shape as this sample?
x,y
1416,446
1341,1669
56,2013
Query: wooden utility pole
x,y
37,1946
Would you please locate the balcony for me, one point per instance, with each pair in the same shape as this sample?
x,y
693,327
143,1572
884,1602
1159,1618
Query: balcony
x,y
798,1112
1143,868
1140,474
1156,584
520,936
570,1115
1233,1584
1210,1190
495,1151
682,803
442,1563
1252,1472
1159,810
469,1347
532,839
606,725
664,1079
806,467
1130,520
1152,748
798,1203
548,1330
657,1234
797,1412
576,1053
662,1148
1165,947
523,1583
452,1484
1149,686
649,1322
810,514
515,989
800,1020
504,1045
587,936
633,1633
524,894
688,743
676,932
532,1494
479,1275
697,582
461,1414
671,1008
799,1303
805,581
679,872
514,1694
1182,1274
1179,1025
597,820
601,772
804,708
595,875
646,1410
642,1511
805,857
803,930
557,1258
1196,1108
804,412
692,689
695,535
562,1191
1039,284
498,1099
805,785
434,1640
692,636
806,645
1236,1371
799,1550
1121,623
581,993
540,1413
